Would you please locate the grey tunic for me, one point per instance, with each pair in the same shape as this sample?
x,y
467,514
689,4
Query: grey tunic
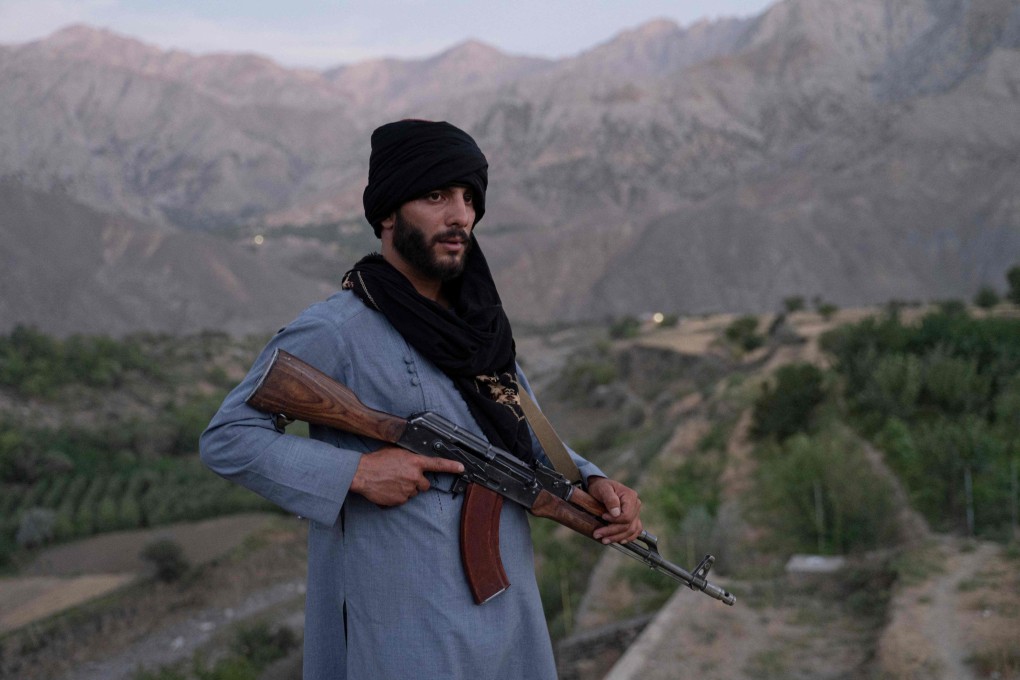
x,y
395,573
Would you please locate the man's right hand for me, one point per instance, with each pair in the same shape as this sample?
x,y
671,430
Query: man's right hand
x,y
391,475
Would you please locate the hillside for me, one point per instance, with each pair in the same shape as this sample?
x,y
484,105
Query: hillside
x,y
861,152
74,269
674,411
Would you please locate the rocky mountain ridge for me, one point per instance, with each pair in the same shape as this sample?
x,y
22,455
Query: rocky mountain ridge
x,y
858,151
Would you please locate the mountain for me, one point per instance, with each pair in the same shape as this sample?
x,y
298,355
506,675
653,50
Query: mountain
x,y
858,151
395,85
91,272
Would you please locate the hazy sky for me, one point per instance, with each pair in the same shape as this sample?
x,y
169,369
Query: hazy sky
x,y
320,33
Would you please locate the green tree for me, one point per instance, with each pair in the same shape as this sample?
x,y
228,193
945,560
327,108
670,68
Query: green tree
x,y
986,297
794,303
820,494
743,332
895,386
788,406
954,384
827,310
1013,278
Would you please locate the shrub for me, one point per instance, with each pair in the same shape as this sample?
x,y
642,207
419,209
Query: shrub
x,y
1007,408
231,668
627,327
130,514
24,461
64,526
187,422
1013,278
789,406
107,516
37,365
794,303
952,307
36,527
7,549
986,297
827,310
163,673
167,556
55,494
261,645
581,376
743,333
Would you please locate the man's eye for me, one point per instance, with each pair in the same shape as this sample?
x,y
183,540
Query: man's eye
x,y
433,196
468,197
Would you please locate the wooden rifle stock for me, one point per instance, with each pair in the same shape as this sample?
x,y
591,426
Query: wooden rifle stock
x,y
291,388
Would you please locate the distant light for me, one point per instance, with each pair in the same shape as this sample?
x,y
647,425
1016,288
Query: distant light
x,y
259,239
658,317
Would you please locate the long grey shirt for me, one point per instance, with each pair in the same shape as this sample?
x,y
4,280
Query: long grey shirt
x,y
394,575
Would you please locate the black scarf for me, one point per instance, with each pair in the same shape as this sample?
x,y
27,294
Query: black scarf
x,y
472,343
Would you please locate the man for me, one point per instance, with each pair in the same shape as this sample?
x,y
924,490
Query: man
x,y
417,328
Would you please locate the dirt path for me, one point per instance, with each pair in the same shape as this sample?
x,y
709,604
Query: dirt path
x,y
968,610
31,598
940,625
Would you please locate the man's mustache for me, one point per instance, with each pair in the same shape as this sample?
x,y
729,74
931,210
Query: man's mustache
x,y
452,235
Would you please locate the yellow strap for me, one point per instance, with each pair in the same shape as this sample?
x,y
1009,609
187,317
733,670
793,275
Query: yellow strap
x,y
549,440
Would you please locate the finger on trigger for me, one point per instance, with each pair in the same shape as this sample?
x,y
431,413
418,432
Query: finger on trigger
x,y
443,465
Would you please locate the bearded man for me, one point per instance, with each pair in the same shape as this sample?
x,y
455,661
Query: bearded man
x,y
419,327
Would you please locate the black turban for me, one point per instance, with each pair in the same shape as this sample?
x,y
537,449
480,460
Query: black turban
x,y
412,157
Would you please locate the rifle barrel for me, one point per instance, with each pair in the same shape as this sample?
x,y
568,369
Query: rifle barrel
x,y
656,562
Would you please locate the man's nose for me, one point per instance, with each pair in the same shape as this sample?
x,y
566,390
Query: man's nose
x,y
460,212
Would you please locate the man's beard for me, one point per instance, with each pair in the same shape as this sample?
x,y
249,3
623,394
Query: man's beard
x,y
409,241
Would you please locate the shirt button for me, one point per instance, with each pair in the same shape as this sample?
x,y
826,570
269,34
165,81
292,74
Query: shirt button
x,y
415,381
408,359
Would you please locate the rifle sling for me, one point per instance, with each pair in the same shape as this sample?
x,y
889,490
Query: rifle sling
x,y
550,441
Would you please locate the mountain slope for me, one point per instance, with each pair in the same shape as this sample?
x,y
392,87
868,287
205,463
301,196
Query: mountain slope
x,y
70,269
858,151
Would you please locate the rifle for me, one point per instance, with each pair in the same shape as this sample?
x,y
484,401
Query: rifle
x,y
294,390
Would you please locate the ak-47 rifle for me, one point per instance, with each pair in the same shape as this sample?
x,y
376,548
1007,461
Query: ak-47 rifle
x,y
293,389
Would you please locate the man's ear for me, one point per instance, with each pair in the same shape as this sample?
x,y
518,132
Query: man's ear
x,y
389,221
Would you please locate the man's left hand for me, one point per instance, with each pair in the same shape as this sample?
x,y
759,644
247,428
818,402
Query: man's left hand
x,y
623,509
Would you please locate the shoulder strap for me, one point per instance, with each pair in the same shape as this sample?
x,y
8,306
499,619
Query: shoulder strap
x,y
549,440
